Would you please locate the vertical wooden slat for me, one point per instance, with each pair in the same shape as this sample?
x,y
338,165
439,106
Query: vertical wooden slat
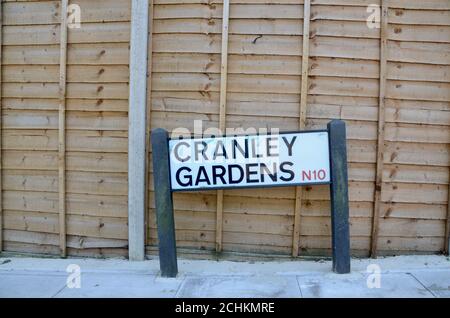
x,y
302,119
62,130
222,112
381,128
149,109
219,220
447,226
305,64
1,117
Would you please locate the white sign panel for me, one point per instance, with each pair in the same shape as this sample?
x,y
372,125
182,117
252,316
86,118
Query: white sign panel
x,y
249,161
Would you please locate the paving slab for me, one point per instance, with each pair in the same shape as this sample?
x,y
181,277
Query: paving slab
x,y
112,285
401,285
402,276
438,282
30,285
240,286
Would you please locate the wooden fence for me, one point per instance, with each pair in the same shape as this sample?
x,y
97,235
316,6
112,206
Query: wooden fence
x,y
95,134
66,122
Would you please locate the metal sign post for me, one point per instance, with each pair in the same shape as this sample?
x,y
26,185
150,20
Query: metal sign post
x,y
286,159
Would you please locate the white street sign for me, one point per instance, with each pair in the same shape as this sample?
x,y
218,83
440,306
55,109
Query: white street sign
x,y
250,161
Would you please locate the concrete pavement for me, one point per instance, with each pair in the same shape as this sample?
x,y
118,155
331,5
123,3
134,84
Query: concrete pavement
x,y
404,276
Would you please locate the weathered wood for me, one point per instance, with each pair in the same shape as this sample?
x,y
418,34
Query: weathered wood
x,y
222,112
305,64
78,54
107,32
62,130
264,75
417,17
302,118
447,227
163,203
239,26
112,228
75,73
1,129
237,11
82,204
151,14
219,220
79,242
47,12
381,130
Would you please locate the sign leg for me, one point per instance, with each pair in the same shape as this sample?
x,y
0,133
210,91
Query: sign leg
x,y
339,197
163,202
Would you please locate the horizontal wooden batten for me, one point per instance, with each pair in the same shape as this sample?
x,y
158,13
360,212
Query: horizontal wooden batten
x,y
105,227
73,241
75,73
75,161
91,54
49,34
73,104
237,11
48,12
46,139
105,183
237,26
74,90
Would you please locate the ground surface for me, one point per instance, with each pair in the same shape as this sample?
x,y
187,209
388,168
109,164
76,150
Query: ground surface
x,y
405,276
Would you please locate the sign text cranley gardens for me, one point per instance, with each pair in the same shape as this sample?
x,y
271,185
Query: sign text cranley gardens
x,y
249,161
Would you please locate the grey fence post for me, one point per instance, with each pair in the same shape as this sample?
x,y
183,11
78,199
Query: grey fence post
x,y
163,202
339,197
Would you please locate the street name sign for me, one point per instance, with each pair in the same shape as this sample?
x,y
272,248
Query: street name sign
x,y
269,160
299,158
